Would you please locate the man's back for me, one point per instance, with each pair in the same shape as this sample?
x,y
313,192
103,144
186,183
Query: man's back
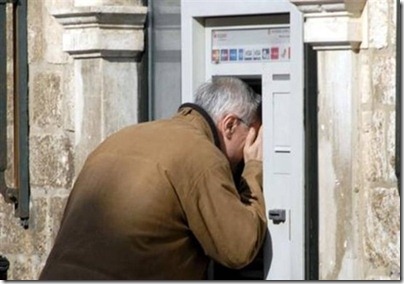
x,y
156,201
124,218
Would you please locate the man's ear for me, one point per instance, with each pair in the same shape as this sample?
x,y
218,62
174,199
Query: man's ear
x,y
228,124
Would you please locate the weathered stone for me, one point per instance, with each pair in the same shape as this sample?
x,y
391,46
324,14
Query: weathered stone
x,y
57,207
9,173
17,240
53,36
393,23
37,222
383,78
51,161
69,103
378,23
374,146
6,209
107,3
35,32
27,250
47,92
382,237
365,86
21,267
391,147
116,96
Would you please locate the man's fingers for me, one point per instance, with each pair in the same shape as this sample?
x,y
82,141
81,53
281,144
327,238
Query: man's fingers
x,y
253,145
250,136
260,132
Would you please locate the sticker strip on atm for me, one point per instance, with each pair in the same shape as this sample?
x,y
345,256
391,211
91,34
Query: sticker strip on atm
x,y
263,44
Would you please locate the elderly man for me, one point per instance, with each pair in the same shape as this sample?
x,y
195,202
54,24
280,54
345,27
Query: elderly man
x,y
158,200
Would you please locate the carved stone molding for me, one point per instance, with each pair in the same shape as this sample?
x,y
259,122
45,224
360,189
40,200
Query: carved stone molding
x,y
334,24
103,31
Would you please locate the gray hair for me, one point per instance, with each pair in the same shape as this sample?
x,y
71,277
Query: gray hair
x,y
224,95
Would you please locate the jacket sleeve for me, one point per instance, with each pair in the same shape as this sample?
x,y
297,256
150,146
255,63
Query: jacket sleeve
x,y
230,231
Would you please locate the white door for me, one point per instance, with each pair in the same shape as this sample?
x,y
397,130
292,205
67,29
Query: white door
x,y
283,171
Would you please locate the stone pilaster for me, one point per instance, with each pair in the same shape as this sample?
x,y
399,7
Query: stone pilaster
x,y
337,29
335,24
106,41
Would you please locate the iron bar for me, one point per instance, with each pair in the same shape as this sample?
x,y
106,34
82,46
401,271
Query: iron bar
x,y
311,165
3,98
21,119
21,194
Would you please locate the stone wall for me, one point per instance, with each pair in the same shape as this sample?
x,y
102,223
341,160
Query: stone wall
x,y
51,147
359,200
378,195
66,98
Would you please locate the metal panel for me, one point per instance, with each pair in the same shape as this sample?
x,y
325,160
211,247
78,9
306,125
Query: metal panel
x,y
164,47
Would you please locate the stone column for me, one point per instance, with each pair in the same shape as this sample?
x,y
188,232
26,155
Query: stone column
x,y
106,41
337,30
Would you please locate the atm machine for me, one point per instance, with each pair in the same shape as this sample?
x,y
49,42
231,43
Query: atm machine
x,y
261,42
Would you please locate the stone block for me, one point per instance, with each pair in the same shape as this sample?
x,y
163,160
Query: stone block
x,y
16,239
365,78
393,23
391,146
374,145
35,31
10,104
79,3
51,161
53,38
382,229
28,249
384,77
119,95
25,267
69,103
21,267
46,100
103,31
9,173
378,23
56,210
37,224
6,209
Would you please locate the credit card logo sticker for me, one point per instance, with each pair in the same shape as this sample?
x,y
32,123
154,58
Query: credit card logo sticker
x,y
233,54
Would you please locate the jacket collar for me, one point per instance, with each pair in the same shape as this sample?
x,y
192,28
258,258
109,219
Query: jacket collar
x,y
207,118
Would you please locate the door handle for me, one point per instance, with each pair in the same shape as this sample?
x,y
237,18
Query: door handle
x,y
277,216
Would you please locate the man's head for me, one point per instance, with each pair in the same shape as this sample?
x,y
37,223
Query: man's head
x,y
235,108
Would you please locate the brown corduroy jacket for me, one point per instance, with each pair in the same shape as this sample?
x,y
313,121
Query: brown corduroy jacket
x,y
155,201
